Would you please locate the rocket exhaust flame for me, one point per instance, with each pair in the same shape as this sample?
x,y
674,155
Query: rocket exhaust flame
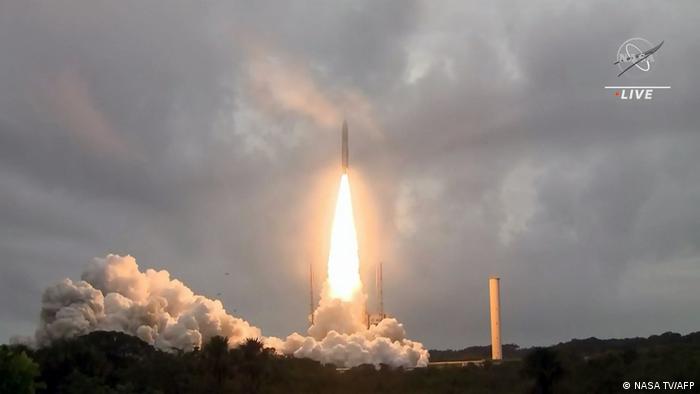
x,y
343,259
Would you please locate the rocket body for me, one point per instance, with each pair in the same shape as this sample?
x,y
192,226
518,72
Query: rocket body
x,y
344,148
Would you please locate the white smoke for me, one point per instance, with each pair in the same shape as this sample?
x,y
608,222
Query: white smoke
x,y
340,336
114,295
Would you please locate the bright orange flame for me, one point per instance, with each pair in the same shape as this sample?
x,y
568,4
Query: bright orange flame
x,y
343,260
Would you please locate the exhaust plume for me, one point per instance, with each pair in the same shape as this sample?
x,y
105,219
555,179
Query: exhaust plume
x,y
343,260
340,334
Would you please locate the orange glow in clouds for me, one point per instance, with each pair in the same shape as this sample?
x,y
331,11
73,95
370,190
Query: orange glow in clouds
x,y
343,258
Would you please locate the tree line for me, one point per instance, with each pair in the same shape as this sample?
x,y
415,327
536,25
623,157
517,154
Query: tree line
x,y
113,362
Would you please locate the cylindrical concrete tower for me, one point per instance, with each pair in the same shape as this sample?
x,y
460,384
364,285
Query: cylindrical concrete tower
x,y
494,290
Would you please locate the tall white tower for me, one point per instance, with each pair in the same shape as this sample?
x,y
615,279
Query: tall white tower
x,y
495,296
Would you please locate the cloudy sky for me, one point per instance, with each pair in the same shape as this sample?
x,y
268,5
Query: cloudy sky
x,y
203,138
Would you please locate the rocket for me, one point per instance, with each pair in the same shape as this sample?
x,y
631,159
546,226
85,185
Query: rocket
x,y
344,148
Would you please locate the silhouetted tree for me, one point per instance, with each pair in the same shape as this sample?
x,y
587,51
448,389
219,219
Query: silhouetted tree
x,y
216,360
543,366
254,363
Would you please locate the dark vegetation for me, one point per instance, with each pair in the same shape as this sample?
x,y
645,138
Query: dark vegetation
x,y
110,362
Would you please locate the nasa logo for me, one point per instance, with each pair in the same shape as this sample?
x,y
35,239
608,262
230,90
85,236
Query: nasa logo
x,y
635,58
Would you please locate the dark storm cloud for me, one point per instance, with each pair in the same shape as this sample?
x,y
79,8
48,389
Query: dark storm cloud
x,y
192,137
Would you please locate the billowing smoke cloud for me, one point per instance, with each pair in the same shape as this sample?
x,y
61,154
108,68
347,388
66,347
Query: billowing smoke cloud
x,y
114,295
340,336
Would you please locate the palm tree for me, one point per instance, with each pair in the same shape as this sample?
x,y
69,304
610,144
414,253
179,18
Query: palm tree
x,y
255,363
215,356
